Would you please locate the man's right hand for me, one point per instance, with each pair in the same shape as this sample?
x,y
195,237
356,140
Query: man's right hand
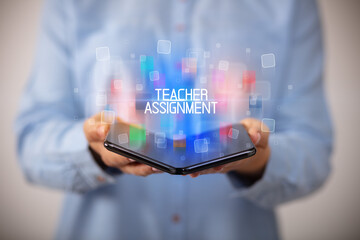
x,y
95,133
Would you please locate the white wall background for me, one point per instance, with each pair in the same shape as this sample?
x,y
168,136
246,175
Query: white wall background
x,y
29,212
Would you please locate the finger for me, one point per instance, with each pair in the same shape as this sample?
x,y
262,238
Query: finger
x,y
218,168
248,123
113,159
257,136
194,175
203,172
208,171
108,157
94,130
138,169
155,170
251,126
263,140
254,135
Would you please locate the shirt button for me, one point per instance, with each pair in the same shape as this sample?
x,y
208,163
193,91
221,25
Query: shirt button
x,y
180,27
176,218
100,178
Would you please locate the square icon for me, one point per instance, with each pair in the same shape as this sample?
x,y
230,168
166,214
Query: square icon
x,y
161,82
164,47
160,137
137,133
102,54
268,125
223,65
193,54
179,140
191,62
201,145
154,76
147,64
252,100
162,144
268,60
107,117
189,66
233,133
195,57
123,138
142,58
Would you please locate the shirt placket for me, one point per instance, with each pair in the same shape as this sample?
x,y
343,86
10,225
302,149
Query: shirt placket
x,y
177,184
177,212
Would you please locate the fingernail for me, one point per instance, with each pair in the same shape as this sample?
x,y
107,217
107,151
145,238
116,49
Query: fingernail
x,y
258,138
131,160
155,169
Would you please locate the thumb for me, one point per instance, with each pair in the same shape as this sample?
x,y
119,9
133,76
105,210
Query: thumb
x,y
94,130
258,137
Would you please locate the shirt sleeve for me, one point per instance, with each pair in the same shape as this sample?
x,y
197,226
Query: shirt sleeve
x,y
51,145
302,143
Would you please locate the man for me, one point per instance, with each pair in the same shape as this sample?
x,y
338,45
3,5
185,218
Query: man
x,y
59,148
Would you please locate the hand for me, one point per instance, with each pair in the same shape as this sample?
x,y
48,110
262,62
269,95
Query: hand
x,y
95,133
254,166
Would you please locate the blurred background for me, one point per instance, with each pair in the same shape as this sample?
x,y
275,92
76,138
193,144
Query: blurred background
x,y
31,212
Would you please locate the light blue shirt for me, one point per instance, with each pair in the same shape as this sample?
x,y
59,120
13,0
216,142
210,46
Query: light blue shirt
x,y
53,150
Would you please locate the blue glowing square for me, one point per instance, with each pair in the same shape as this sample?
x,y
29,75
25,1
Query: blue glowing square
x,y
268,60
162,144
164,47
123,138
154,76
201,145
268,125
233,133
159,137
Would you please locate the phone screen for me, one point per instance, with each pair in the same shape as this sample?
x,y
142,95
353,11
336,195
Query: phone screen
x,y
179,150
